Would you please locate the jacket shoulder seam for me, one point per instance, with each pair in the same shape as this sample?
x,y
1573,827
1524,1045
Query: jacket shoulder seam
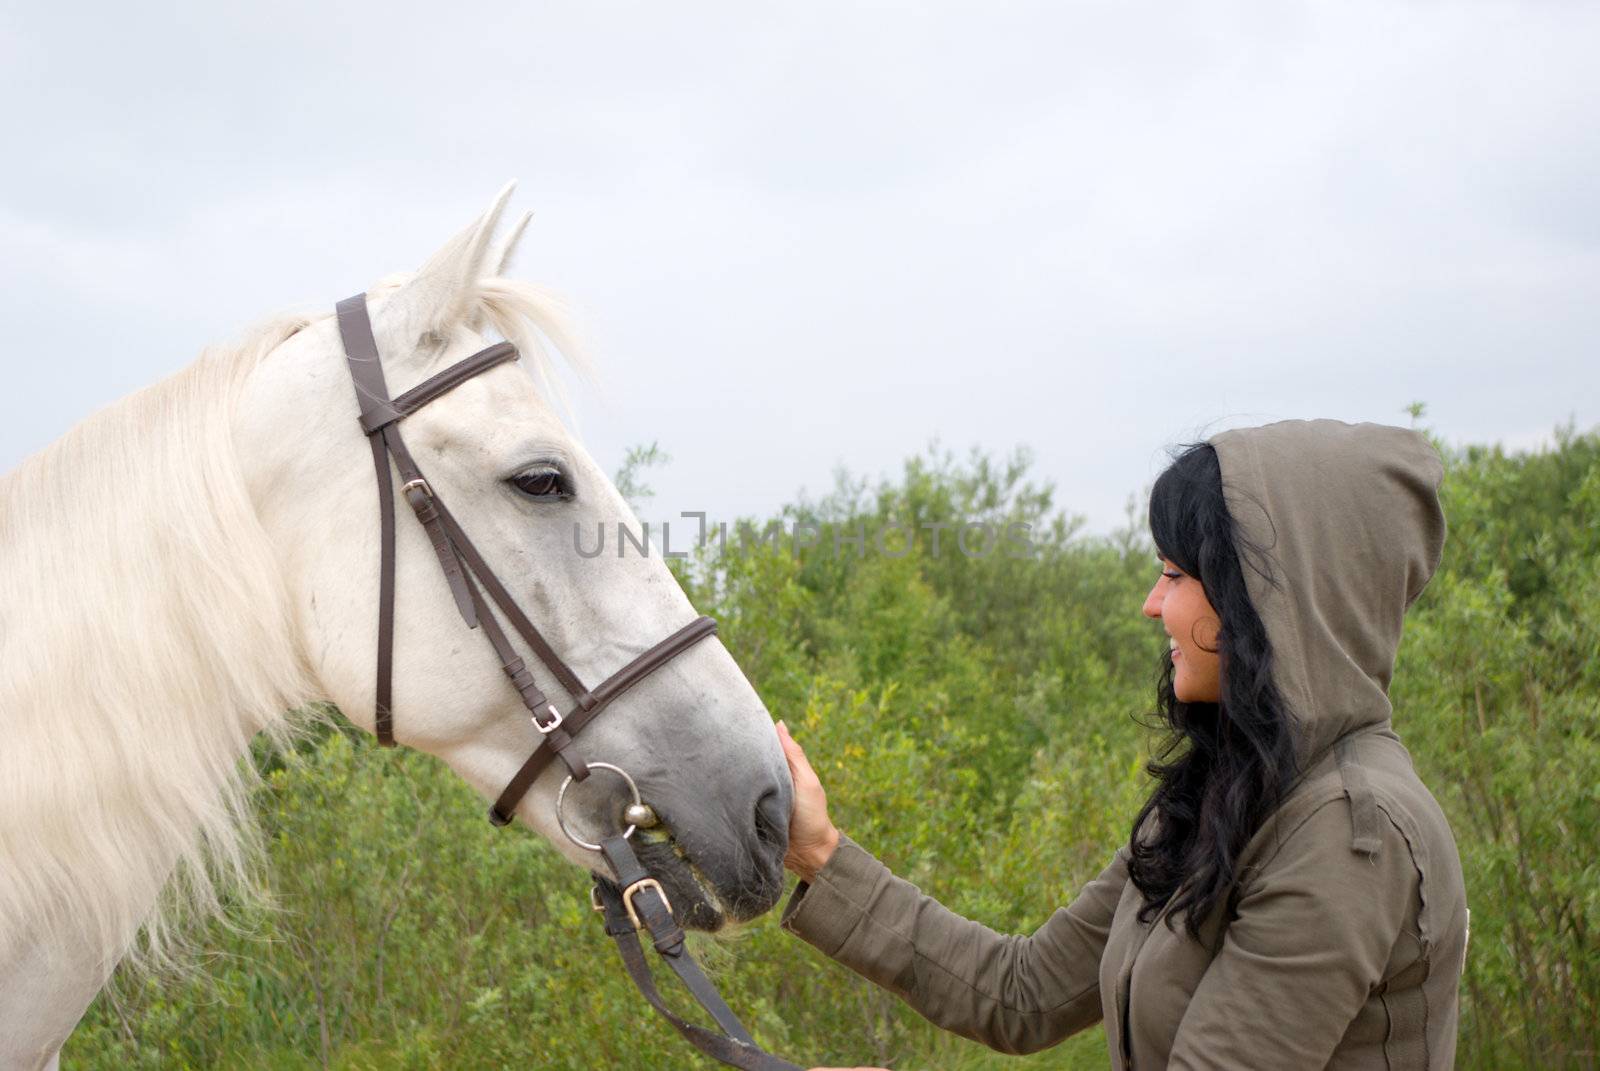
x,y
1417,868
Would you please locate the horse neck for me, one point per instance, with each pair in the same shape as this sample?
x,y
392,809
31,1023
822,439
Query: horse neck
x,y
145,639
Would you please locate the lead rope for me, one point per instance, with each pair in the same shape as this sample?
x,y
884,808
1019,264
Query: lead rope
x,y
636,897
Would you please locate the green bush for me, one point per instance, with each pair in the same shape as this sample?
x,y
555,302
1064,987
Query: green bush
x,y
973,718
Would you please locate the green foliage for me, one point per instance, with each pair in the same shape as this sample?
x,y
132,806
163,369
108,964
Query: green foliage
x,y
1500,669
973,718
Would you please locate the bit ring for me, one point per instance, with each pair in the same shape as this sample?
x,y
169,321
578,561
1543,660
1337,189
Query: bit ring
x,y
561,797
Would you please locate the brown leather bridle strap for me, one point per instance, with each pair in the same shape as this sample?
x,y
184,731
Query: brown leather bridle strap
x,y
361,354
632,888
434,386
372,392
465,569
612,687
508,606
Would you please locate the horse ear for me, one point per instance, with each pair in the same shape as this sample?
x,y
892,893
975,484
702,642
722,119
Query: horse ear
x,y
440,294
500,259
506,248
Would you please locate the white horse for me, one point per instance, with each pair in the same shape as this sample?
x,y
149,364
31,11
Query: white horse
x,y
186,567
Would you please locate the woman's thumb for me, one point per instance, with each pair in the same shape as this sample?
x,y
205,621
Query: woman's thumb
x,y
792,752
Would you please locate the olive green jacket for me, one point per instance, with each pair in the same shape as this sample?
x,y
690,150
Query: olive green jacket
x,y
1342,942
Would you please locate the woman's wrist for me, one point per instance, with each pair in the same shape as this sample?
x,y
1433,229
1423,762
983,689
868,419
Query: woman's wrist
x,y
807,866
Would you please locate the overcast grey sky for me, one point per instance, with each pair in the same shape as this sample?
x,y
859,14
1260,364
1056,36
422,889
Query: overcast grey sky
x,y
817,234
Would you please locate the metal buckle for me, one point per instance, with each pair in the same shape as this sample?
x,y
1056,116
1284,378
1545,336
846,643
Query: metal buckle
x,y
419,483
594,900
643,883
551,726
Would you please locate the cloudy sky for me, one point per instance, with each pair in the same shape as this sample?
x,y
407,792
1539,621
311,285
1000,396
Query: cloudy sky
x,y
810,235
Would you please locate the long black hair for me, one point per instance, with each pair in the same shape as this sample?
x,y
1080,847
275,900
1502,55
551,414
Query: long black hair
x,y
1222,767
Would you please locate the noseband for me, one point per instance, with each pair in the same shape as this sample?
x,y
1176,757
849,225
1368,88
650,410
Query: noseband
x,y
633,896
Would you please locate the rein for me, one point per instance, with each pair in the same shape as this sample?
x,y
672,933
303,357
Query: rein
x,y
633,897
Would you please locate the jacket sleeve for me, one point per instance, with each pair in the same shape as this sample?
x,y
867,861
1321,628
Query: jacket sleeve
x,y
1310,940
1013,993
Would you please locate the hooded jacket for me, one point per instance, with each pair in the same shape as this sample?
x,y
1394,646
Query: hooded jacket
x,y
1341,944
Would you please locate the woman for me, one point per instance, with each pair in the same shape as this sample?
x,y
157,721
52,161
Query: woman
x,y
1290,895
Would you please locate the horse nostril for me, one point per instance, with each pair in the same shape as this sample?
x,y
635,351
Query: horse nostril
x,y
772,821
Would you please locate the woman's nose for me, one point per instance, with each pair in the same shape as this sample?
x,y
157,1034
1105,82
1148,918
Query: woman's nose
x,y
1152,603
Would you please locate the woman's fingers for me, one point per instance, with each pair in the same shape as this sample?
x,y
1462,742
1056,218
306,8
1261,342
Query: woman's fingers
x,y
799,765
812,837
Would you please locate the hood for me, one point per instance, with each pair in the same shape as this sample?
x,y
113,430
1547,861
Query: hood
x,y
1348,530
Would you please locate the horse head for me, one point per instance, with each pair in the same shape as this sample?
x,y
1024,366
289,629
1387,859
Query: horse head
x,y
694,737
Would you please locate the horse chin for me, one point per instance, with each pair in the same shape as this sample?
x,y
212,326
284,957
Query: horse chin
x,y
697,902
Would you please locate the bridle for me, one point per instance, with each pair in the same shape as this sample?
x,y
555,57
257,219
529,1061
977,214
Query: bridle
x,y
633,897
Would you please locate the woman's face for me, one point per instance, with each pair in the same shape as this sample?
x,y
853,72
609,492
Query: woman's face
x,y
1180,604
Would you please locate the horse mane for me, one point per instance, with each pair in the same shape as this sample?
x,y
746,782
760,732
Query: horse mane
x,y
146,638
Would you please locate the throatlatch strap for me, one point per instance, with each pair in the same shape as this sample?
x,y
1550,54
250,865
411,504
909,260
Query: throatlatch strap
x,y
372,394
737,1049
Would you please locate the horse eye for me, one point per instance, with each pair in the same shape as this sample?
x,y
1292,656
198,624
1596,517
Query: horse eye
x,y
543,483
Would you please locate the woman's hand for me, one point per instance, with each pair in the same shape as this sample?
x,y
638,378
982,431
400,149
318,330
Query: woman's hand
x,y
812,838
